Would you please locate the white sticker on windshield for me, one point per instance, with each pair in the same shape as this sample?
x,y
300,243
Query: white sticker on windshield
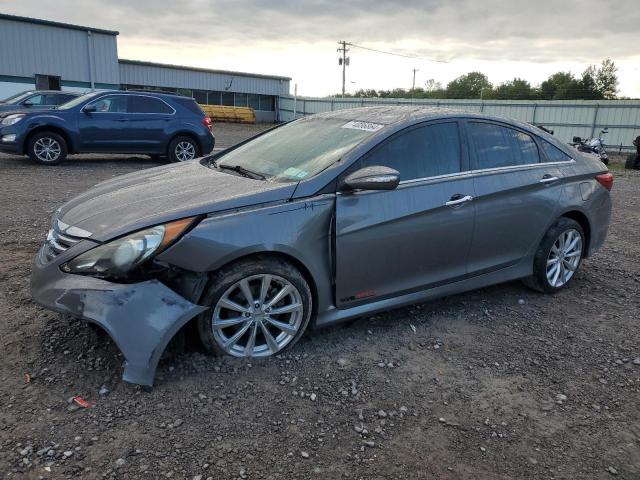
x,y
295,173
366,126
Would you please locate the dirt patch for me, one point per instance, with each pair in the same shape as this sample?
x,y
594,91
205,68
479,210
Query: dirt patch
x,y
498,383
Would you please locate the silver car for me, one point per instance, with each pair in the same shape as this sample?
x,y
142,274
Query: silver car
x,y
323,219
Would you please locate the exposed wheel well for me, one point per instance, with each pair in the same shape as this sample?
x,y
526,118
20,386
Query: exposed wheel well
x,y
582,219
46,128
287,258
189,329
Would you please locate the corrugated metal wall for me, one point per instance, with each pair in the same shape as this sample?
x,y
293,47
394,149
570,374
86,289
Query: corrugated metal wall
x,y
138,73
27,49
567,118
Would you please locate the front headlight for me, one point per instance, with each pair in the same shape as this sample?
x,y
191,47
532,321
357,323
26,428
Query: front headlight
x,y
11,119
120,256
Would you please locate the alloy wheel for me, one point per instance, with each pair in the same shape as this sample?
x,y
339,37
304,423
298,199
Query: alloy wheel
x,y
185,151
257,316
47,149
564,258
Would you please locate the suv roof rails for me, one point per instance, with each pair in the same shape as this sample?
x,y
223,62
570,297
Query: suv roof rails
x,y
155,90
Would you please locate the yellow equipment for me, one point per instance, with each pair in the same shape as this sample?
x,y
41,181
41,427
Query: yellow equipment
x,y
223,113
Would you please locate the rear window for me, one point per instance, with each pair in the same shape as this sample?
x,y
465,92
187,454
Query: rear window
x,y
143,104
496,146
190,105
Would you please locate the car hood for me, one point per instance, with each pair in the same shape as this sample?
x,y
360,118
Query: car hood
x,y
158,195
9,109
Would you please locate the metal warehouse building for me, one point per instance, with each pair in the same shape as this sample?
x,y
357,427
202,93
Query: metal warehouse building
x,y
51,55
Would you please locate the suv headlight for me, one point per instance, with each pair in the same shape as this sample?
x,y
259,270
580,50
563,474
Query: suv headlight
x,y
11,119
122,255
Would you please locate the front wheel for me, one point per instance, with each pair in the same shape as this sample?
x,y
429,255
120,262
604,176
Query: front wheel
x,y
47,148
259,307
558,257
183,149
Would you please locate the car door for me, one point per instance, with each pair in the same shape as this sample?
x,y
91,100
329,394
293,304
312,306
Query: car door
x,y
104,130
413,237
147,123
516,194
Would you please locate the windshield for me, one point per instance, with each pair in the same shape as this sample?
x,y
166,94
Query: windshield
x,y
300,149
77,101
13,99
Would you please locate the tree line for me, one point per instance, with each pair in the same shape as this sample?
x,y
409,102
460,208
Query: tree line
x,y
595,83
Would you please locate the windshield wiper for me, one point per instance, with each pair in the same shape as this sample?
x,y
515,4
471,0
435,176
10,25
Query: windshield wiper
x,y
241,170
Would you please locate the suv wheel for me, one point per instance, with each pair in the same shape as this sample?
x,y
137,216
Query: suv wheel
x,y
183,149
47,148
259,307
558,257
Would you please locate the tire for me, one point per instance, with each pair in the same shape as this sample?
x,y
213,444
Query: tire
x,y
540,280
178,148
244,318
47,148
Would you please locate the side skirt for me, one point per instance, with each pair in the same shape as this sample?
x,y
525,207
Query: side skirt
x,y
334,315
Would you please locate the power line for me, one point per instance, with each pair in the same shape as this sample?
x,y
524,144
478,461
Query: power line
x,y
396,54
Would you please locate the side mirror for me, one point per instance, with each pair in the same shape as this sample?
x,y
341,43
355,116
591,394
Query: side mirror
x,y
605,130
371,178
577,139
27,103
89,108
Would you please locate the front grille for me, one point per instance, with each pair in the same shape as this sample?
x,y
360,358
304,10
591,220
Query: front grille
x,y
58,243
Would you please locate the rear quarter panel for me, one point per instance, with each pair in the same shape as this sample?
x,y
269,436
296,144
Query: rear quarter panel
x,y
584,194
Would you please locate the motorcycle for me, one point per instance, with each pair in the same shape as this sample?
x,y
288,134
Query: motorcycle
x,y
593,146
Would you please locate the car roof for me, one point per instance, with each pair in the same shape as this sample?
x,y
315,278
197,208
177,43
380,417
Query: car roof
x,y
77,94
398,115
153,93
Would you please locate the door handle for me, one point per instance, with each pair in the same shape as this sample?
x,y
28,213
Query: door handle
x,y
458,199
549,179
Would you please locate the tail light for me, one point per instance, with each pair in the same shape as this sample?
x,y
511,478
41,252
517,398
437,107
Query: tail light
x,y
208,123
606,180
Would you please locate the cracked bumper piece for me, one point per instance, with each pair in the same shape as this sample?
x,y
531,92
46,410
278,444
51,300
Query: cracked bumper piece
x,y
141,318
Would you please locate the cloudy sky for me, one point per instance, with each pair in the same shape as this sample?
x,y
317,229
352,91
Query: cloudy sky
x,y
297,38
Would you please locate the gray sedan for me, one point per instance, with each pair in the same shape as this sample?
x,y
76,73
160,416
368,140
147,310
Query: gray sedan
x,y
321,220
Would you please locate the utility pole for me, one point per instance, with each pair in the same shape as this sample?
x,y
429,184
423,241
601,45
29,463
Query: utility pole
x,y
344,61
413,86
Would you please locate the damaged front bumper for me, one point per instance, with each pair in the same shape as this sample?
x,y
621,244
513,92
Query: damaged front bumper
x,y
141,318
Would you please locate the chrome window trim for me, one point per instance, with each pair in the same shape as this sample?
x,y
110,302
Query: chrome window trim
x,y
473,173
129,95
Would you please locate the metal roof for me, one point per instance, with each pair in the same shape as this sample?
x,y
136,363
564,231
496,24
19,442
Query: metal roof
x,y
199,69
38,21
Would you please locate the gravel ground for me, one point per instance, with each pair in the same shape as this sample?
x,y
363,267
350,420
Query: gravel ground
x,y
498,383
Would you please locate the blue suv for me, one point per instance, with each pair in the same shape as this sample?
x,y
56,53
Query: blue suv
x,y
155,124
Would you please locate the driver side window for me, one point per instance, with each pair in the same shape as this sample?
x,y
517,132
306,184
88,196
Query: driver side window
x,y
421,152
111,104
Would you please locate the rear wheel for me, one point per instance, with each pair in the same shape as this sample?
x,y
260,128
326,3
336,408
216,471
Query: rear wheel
x,y
259,307
558,257
183,149
47,148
